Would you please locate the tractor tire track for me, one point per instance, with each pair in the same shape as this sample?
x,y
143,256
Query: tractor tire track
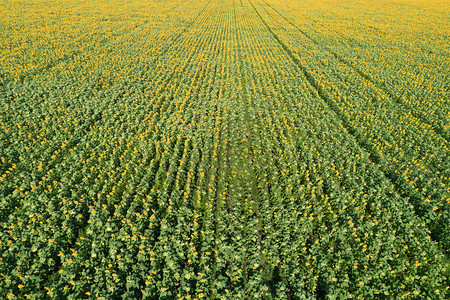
x,y
374,157
381,86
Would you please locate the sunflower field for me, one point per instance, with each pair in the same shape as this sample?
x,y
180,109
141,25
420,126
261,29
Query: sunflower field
x,y
234,149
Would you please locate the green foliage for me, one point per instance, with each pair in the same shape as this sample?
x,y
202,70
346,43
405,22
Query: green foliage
x,y
214,150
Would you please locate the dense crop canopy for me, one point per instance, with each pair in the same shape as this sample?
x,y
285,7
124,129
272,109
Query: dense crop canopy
x,y
228,149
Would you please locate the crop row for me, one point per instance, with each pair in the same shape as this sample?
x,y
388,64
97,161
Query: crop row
x,y
409,152
221,157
